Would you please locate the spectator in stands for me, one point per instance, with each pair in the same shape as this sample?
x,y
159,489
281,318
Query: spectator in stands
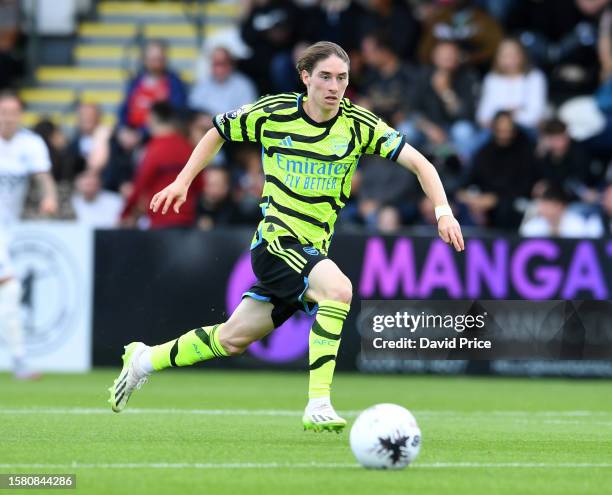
x,y
561,37
215,205
62,170
426,212
11,62
388,220
55,139
93,206
563,163
554,218
339,21
271,28
501,174
123,151
88,133
198,124
163,158
250,182
154,83
395,19
383,183
444,102
386,84
477,32
224,89
600,144
513,86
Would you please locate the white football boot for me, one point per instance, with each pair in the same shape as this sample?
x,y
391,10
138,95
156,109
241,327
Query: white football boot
x,y
130,378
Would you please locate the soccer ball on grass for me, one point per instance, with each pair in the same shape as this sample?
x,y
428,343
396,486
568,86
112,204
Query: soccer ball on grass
x,y
385,436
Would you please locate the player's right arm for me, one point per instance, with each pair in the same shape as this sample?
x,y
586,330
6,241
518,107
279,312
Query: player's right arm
x,y
176,193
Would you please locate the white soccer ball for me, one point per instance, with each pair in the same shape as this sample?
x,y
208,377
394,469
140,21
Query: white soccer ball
x,y
385,436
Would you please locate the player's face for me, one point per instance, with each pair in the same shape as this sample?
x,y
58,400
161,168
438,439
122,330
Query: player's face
x,y
327,83
10,116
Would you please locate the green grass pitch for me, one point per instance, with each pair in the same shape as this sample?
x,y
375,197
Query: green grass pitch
x,y
212,432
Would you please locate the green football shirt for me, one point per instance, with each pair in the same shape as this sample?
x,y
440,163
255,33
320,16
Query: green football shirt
x,y
308,165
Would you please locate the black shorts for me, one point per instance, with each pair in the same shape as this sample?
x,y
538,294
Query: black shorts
x,y
282,268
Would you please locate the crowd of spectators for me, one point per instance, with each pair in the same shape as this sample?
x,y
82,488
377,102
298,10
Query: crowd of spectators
x,y
510,99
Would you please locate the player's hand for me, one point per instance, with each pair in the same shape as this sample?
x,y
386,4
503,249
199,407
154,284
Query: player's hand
x,y
48,206
450,232
175,193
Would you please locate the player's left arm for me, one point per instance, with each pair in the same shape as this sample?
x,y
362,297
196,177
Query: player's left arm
x,y
448,227
46,184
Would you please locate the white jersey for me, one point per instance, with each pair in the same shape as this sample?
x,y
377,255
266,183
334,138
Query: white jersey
x,y
21,156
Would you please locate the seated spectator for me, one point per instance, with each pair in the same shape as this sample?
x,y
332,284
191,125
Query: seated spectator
x,y
271,28
553,218
386,85
343,22
561,38
199,124
224,89
562,162
394,18
215,206
122,158
62,168
154,83
249,185
388,220
599,140
513,86
382,182
444,101
11,61
475,30
93,206
56,142
164,157
89,133
501,174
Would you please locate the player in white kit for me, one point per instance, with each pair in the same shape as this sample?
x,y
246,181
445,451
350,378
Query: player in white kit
x,y
22,154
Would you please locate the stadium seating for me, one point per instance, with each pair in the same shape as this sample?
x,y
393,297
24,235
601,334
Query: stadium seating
x,y
107,51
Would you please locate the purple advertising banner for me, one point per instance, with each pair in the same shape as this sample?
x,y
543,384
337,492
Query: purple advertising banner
x,y
532,269
152,286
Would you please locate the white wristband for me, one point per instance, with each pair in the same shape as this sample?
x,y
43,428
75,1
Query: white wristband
x,y
443,210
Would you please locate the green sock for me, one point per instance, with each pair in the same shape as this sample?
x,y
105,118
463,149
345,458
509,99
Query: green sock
x,y
323,345
196,345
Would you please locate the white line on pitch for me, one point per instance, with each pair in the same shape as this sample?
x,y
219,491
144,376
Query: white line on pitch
x,y
286,412
303,465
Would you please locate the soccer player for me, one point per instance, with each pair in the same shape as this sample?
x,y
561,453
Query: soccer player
x,y
311,144
22,154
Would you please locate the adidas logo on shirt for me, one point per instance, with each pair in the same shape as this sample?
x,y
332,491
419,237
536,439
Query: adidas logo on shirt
x,y
287,142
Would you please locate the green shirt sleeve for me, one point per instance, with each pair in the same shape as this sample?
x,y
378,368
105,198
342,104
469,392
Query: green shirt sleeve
x,y
386,142
241,125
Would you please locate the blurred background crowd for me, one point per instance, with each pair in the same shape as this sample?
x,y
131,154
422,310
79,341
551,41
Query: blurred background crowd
x,y
510,99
